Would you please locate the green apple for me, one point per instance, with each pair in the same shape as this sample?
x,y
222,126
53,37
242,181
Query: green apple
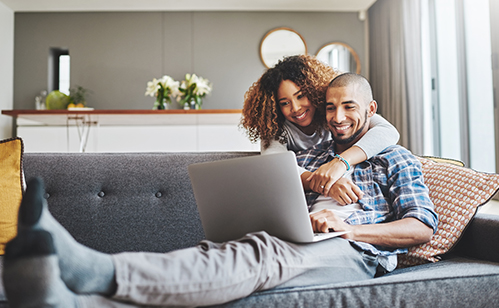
x,y
57,100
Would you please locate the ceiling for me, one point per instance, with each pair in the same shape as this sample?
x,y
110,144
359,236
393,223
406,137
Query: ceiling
x,y
187,5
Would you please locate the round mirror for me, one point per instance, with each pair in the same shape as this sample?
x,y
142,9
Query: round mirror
x,y
340,56
280,43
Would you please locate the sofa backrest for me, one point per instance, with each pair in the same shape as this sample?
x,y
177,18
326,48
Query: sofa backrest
x,y
116,202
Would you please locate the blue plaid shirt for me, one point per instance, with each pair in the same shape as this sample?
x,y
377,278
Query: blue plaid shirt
x,y
393,187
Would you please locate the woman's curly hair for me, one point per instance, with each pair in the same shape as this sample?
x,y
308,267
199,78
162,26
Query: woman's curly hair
x,y
262,117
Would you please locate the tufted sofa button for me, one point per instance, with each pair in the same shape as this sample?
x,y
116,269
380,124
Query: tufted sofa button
x,y
101,194
158,194
46,195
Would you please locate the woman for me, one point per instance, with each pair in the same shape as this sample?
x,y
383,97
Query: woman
x,y
282,110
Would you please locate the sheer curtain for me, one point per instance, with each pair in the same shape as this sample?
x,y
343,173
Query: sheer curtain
x,y
396,67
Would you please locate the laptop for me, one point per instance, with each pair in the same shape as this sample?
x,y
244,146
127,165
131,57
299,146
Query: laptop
x,y
249,194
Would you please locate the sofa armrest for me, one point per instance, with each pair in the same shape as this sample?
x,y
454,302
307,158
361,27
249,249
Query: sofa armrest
x,y
481,239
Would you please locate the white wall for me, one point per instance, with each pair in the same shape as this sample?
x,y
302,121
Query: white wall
x,y
6,68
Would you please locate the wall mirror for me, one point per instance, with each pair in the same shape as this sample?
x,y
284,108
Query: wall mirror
x,y
279,43
340,56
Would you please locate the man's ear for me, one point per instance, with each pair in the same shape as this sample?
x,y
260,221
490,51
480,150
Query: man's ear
x,y
372,108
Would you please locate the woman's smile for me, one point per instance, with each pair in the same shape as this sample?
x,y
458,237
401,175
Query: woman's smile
x,y
295,106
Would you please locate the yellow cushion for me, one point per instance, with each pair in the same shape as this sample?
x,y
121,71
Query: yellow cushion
x,y
11,181
445,160
457,192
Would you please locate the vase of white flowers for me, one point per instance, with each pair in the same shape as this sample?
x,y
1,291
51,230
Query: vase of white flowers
x,y
164,89
192,89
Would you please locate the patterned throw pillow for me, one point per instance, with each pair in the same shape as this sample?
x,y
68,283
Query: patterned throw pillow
x,y
457,192
11,183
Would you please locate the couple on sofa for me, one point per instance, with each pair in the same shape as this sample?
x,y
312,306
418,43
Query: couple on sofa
x,y
388,209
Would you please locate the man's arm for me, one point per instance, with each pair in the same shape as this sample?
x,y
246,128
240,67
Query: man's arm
x,y
414,219
405,232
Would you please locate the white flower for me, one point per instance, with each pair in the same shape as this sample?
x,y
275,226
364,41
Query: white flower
x,y
152,87
170,84
192,88
201,86
167,83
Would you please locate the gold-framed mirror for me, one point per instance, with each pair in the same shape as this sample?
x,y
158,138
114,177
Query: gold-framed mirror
x,y
279,43
340,56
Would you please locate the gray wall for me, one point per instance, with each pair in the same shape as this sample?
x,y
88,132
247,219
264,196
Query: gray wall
x,y
115,54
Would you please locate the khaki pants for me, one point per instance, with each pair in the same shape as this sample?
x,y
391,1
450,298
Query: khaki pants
x,y
213,273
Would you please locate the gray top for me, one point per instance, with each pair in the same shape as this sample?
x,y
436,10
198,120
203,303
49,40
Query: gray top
x,y
381,134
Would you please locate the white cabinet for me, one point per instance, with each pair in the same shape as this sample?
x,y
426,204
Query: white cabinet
x,y
192,132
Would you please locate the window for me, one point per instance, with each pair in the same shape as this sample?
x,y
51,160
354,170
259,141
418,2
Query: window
x,y
59,70
460,89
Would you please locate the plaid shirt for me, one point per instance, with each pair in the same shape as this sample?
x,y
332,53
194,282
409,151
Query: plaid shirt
x,y
393,187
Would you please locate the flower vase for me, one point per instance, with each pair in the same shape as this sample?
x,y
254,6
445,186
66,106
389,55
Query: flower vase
x,y
161,105
187,106
162,101
197,103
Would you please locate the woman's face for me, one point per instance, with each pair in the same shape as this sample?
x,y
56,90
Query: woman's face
x,y
295,106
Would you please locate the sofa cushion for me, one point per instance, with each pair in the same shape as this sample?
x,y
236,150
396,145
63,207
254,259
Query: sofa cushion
x,y
116,202
11,157
457,192
448,283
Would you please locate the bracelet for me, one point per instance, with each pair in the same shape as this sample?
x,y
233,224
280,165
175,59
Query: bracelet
x,y
343,160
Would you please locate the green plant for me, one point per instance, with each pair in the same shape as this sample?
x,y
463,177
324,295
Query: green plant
x,y
77,95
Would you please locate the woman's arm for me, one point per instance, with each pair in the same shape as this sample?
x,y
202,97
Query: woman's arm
x,y
381,134
323,179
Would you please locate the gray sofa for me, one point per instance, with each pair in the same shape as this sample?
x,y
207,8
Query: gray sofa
x,y
144,202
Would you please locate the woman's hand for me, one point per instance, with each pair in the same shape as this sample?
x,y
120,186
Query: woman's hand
x,y
322,179
344,191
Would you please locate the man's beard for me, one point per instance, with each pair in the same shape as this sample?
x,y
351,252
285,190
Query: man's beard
x,y
354,136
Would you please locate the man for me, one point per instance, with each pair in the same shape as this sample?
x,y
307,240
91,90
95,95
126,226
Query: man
x,y
390,179
45,266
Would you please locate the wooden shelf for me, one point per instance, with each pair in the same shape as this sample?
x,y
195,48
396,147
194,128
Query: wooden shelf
x,y
124,117
20,112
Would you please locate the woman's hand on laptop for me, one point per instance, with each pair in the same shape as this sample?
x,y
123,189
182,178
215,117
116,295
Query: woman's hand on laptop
x,y
325,221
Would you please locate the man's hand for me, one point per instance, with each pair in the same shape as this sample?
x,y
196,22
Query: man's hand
x,y
322,179
325,220
344,191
